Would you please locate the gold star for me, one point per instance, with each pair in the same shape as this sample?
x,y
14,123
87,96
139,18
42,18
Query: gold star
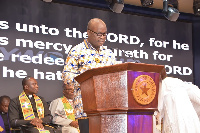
x,y
145,89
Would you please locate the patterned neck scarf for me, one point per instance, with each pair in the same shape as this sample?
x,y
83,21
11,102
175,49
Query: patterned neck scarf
x,y
28,110
69,110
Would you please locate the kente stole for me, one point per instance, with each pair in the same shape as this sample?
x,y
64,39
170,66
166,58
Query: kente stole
x,y
69,110
27,109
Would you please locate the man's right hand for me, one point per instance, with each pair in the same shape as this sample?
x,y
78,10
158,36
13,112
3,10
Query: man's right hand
x,y
37,122
39,125
74,124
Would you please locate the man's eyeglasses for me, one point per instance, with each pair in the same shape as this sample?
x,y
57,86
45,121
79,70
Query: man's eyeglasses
x,y
99,34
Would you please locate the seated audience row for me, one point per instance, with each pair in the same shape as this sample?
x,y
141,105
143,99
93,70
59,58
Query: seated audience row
x,y
31,113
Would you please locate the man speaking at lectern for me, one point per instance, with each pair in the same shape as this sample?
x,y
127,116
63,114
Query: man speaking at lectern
x,y
87,55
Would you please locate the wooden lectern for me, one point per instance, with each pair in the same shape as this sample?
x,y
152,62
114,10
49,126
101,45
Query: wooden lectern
x,y
121,98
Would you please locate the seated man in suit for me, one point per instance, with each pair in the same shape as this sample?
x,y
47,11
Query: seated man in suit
x,y
30,110
4,121
63,112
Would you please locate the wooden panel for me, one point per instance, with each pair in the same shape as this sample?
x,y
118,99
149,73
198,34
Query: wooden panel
x,y
111,91
133,104
114,123
140,124
186,6
121,122
94,124
88,96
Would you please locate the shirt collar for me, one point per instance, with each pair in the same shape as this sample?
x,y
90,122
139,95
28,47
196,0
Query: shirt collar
x,y
2,113
89,46
30,96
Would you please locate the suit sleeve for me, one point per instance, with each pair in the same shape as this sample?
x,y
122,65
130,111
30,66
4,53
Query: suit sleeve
x,y
14,114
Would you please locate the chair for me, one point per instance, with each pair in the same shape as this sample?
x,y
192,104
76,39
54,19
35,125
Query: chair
x,y
16,130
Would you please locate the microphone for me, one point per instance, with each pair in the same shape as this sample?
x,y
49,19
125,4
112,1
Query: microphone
x,y
134,61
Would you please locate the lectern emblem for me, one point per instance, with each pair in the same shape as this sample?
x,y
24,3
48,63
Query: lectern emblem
x,y
144,89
